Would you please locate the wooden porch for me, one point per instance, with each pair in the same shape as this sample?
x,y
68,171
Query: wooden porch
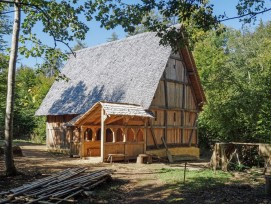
x,y
113,129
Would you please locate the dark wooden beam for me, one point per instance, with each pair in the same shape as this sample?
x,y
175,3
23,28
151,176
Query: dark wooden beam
x,y
153,135
173,109
192,131
166,104
175,81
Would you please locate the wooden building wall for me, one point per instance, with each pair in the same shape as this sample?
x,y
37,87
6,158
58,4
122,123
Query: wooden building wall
x,y
174,107
56,135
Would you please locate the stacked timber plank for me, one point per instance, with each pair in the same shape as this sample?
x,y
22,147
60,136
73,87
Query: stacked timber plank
x,y
61,187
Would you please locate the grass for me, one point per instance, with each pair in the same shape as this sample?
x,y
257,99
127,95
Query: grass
x,y
195,179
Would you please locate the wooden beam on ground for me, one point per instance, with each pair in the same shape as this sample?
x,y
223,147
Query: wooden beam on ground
x,y
169,156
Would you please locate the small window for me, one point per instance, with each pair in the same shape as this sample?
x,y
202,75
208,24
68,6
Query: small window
x,y
174,117
109,135
88,134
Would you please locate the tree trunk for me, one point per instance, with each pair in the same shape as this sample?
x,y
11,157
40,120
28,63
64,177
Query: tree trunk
x,y
10,167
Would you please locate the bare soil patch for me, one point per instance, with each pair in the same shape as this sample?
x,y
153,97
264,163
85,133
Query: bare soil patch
x,y
133,183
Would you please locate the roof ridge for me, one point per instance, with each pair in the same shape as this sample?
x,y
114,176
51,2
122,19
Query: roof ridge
x,y
114,42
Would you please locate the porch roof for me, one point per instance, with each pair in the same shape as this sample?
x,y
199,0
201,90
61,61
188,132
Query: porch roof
x,y
116,109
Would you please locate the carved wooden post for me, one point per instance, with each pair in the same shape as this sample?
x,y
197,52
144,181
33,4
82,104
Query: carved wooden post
x,y
82,140
125,134
94,134
114,132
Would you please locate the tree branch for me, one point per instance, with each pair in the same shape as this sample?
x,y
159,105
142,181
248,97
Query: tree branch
x,y
52,34
252,13
47,19
3,13
13,2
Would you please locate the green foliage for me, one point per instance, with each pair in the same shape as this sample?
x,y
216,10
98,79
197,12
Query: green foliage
x,y
31,88
5,27
60,21
3,91
235,69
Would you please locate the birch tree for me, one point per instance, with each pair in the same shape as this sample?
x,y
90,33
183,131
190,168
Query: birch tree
x,y
10,167
61,22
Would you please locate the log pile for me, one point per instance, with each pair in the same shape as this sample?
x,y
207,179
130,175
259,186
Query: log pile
x,y
61,187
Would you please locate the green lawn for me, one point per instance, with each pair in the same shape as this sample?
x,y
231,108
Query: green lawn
x,y
195,179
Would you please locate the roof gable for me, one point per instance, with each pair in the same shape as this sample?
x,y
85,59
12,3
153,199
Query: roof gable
x,y
112,109
124,71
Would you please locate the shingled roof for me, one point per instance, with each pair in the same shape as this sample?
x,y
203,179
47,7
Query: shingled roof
x,y
123,71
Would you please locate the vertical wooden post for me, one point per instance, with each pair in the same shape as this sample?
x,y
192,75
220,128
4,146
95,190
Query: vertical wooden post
x,y
125,134
103,132
114,131
47,134
94,134
82,141
184,173
183,107
153,135
166,105
192,131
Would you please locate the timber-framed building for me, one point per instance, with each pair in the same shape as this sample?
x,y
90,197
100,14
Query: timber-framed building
x,y
122,97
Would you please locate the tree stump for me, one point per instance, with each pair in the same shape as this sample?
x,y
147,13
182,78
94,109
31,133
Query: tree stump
x,y
144,158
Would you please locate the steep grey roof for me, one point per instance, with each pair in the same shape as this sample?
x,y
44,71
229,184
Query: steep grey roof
x,y
123,71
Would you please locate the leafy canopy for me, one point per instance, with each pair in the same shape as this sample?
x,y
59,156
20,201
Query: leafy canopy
x,y
235,69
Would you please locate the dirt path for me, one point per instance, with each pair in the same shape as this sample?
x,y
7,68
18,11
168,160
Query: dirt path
x,y
133,183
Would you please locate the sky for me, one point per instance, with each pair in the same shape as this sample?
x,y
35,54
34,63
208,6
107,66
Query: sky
x,y
97,35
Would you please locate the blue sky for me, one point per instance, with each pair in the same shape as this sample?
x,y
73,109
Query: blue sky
x,y
97,35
